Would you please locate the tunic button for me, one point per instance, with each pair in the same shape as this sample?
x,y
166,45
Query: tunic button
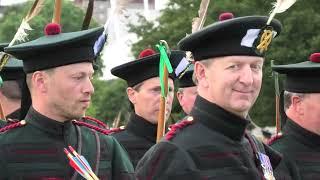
x,y
190,118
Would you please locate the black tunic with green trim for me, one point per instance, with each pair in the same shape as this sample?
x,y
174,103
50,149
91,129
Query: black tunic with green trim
x,y
138,137
302,147
35,151
214,146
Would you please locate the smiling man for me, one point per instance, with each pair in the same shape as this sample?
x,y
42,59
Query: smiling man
x,y
213,143
144,93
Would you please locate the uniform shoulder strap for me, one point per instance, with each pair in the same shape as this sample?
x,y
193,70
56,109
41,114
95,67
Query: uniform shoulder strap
x,y
116,130
96,121
178,126
90,126
13,126
274,138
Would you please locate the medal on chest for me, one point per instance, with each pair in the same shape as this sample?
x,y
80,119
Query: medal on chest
x,y
266,166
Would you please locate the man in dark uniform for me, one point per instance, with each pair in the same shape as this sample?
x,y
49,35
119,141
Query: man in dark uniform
x,y
11,89
144,94
213,143
10,93
187,91
300,141
59,73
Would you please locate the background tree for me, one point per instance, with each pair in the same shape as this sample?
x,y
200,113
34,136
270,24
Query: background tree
x,y
299,37
71,19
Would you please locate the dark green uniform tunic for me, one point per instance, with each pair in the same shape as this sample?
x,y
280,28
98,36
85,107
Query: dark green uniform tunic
x,y
213,147
302,147
15,115
35,151
2,123
139,136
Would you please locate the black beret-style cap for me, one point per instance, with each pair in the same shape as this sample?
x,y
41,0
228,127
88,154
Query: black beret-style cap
x,y
57,50
236,36
301,77
147,67
186,80
13,70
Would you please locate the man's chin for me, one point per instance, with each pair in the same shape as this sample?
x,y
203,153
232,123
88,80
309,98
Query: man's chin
x,y
243,110
242,107
154,121
77,115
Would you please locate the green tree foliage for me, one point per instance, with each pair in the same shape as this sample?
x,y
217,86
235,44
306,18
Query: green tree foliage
x,y
71,19
299,37
173,25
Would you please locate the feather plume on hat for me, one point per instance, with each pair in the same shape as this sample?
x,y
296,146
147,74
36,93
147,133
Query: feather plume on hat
x,y
197,24
21,33
267,33
279,7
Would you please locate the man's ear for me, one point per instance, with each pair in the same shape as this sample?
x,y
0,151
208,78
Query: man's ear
x,y
296,103
200,73
131,95
179,96
40,80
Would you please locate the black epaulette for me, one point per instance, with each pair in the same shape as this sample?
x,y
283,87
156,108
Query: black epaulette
x,y
13,126
178,126
117,130
274,138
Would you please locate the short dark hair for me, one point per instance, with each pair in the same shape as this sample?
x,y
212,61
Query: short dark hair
x,y
137,86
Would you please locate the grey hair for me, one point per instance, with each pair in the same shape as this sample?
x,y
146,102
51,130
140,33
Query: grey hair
x,y
180,90
206,63
287,98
